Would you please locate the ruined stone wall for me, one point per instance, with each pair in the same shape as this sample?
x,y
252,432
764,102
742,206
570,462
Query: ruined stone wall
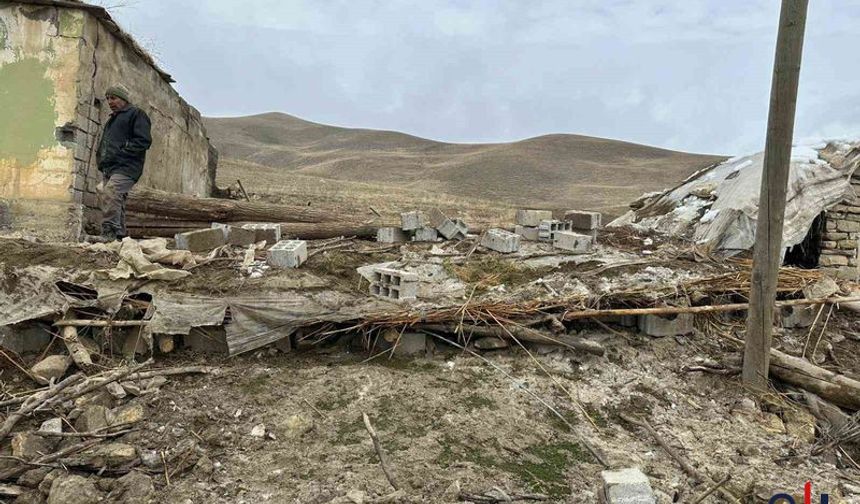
x,y
55,64
39,64
839,249
179,159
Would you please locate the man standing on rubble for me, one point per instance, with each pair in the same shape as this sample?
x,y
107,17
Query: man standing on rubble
x,y
120,158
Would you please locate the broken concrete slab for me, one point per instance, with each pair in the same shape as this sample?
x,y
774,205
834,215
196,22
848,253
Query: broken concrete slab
x,y
627,486
666,325
288,254
51,367
200,240
533,218
391,235
572,242
501,241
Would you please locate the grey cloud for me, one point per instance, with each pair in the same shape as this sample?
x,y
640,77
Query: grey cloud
x,y
684,74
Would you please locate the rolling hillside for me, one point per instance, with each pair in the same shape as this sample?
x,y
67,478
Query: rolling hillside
x,y
552,171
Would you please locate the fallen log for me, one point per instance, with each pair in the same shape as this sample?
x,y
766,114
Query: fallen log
x,y
183,206
675,310
296,230
836,388
522,334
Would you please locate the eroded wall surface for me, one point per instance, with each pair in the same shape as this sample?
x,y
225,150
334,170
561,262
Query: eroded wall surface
x,y
39,64
55,65
178,160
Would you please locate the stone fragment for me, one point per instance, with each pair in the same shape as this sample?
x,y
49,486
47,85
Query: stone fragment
x,y
572,242
93,418
258,431
288,254
30,446
410,221
200,240
116,390
51,367
34,477
133,488
670,325
129,414
391,235
847,226
501,241
73,489
627,486
528,233
53,425
800,424
30,497
410,344
532,218
109,455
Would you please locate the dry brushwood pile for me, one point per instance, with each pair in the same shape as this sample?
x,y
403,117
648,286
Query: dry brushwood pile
x,y
135,373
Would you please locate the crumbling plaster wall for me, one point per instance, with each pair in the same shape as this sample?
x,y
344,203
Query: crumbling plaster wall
x,y
39,63
179,159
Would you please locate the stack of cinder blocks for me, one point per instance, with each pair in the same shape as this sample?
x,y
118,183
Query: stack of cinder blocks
x,y
235,235
529,221
580,233
414,226
394,284
501,241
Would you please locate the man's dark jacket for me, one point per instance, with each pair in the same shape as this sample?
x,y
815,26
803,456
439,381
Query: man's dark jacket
x,y
124,142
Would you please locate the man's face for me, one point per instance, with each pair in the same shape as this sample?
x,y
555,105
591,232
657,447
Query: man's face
x,y
116,103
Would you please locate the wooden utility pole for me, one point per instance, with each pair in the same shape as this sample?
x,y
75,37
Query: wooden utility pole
x,y
774,183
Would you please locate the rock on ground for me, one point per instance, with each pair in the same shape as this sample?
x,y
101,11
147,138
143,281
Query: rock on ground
x,y
53,366
133,488
73,489
627,486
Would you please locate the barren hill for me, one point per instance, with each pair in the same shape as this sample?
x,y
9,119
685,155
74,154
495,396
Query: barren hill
x,y
551,171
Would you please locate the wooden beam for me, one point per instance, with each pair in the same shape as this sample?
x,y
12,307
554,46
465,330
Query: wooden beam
x,y
774,183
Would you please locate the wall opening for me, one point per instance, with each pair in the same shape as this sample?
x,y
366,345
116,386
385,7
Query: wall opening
x,y
807,253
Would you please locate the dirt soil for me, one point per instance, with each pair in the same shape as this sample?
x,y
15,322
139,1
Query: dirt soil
x,y
450,421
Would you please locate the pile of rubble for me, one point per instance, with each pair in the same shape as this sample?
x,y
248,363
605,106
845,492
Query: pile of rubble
x,y
281,254
81,439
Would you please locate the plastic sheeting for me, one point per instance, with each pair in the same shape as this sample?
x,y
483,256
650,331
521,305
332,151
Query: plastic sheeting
x,y
718,207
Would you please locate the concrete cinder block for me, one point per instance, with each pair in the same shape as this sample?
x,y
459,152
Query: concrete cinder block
x,y
798,316
200,240
528,233
584,220
449,229
548,228
668,325
391,235
533,218
265,231
425,234
501,241
394,284
627,486
288,254
235,235
410,221
572,242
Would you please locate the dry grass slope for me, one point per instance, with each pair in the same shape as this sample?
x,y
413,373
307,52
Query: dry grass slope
x,y
552,171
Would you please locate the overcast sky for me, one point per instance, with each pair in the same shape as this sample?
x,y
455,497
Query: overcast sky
x,y
691,75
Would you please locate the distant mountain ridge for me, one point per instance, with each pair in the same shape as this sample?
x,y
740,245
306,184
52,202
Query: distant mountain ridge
x,y
550,171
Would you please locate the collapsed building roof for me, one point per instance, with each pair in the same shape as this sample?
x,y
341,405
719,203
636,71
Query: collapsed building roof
x,y
718,206
105,18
